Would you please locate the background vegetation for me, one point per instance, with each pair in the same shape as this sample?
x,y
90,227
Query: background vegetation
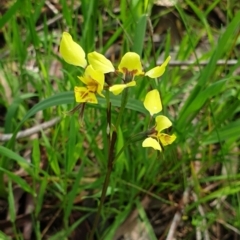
x,y
51,178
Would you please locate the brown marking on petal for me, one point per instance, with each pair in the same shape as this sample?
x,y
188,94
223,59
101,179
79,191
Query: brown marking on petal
x,y
153,134
134,72
129,75
124,70
165,139
86,97
93,86
83,94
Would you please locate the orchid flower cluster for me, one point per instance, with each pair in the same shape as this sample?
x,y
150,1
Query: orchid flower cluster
x,y
97,65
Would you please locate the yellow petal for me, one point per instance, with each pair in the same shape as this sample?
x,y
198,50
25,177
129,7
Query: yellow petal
x,y
130,62
153,102
82,94
85,80
117,88
151,142
166,139
100,62
94,74
71,52
159,70
162,123
93,79
131,84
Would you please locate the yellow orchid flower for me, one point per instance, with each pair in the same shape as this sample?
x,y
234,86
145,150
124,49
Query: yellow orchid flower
x,y
73,54
153,102
94,81
157,140
130,66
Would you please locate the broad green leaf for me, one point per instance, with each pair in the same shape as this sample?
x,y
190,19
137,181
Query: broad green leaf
x,y
68,98
140,35
55,100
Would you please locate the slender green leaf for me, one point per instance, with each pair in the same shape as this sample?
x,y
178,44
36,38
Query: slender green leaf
x,y
145,219
71,146
211,91
10,12
230,131
72,194
11,202
206,73
10,155
19,180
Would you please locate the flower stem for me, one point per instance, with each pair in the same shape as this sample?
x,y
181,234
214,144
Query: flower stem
x,y
123,105
112,142
105,184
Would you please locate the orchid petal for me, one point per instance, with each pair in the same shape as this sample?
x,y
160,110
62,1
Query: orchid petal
x,y
71,52
94,74
151,142
130,62
93,79
131,84
153,102
166,139
100,62
159,70
162,123
82,94
117,88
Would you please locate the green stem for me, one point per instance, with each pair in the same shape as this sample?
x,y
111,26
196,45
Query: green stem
x,y
123,105
105,184
109,121
112,142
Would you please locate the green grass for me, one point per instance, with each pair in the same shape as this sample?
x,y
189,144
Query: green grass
x,y
69,162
